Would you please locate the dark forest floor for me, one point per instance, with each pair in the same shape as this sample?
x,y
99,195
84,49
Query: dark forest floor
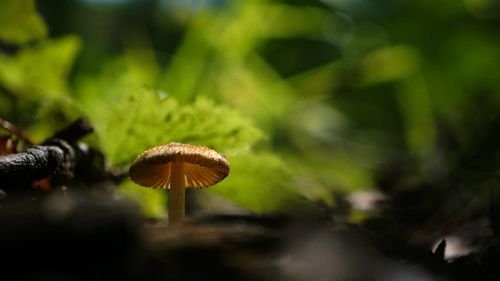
x,y
56,238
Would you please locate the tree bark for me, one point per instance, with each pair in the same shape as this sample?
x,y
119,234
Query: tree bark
x,y
55,157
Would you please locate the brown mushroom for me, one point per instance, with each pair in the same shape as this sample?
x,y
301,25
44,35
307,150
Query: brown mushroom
x,y
176,166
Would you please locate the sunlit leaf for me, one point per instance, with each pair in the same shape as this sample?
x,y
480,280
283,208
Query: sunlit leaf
x,y
389,64
144,118
96,91
261,182
39,71
19,22
152,201
56,114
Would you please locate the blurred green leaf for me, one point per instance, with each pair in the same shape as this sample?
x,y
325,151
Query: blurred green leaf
x,y
152,201
19,22
417,111
240,33
56,114
96,91
144,118
388,64
39,71
261,182
219,57
262,93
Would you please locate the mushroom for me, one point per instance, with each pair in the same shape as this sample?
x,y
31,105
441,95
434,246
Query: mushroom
x,y
177,166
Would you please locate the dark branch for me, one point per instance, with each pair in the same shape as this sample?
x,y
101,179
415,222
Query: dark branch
x,y
15,130
55,158
35,163
76,130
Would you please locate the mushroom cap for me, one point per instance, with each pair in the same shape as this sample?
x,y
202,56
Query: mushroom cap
x,y
203,167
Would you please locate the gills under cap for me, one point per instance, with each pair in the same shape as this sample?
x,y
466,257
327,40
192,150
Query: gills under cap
x,y
203,167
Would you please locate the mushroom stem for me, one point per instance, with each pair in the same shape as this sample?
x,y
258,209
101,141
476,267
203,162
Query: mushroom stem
x,y
176,194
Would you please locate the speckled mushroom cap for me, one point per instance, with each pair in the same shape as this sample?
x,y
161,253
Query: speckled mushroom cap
x,y
203,167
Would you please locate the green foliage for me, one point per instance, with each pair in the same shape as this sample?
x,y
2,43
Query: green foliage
x,y
220,57
389,64
41,70
134,105
337,91
152,201
97,90
19,22
144,118
56,113
261,182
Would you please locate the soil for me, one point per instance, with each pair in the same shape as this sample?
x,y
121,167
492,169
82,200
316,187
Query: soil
x,y
76,237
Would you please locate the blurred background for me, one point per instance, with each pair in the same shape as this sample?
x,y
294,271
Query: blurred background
x,y
310,101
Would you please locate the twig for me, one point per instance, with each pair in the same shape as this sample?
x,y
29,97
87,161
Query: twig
x,y
56,158
74,131
15,130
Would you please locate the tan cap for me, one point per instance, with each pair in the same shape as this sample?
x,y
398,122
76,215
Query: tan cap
x,y
202,167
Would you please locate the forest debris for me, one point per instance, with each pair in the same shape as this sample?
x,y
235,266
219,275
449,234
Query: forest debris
x,y
56,158
15,130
